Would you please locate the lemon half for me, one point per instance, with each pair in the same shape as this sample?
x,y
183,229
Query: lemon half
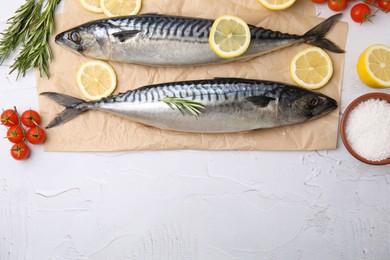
x,y
96,79
311,68
120,7
373,66
229,36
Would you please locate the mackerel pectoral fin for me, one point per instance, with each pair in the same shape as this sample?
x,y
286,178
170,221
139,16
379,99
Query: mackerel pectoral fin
x,y
124,35
316,35
261,101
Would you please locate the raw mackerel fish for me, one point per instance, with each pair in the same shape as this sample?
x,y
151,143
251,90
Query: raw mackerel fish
x,y
230,105
162,40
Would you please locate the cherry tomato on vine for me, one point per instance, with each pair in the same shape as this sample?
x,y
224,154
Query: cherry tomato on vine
x,y
9,117
337,5
20,151
36,135
360,13
30,118
384,5
319,1
15,134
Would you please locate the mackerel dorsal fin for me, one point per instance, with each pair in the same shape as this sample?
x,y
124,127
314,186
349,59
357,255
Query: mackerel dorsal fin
x,y
260,101
124,35
226,78
151,14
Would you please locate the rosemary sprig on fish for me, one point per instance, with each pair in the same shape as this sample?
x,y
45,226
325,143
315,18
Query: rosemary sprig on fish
x,y
163,40
185,106
223,104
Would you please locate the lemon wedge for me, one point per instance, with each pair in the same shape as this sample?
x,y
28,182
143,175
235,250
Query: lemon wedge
x,y
92,6
96,79
373,66
276,4
311,68
120,7
229,36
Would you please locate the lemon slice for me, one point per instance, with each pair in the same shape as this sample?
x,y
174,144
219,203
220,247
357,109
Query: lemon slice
x,y
277,4
96,79
120,7
373,66
311,68
92,6
229,36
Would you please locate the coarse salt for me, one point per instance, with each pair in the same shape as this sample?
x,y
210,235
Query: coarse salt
x,y
368,129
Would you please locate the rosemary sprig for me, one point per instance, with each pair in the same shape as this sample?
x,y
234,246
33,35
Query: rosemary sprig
x,y
31,28
36,50
19,27
185,106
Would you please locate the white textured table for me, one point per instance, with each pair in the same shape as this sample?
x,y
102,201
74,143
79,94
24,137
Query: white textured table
x,y
194,204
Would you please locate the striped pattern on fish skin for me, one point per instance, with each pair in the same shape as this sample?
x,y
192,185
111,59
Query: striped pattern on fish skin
x,y
230,105
162,40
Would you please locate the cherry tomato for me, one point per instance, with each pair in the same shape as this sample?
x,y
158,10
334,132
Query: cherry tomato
x,y
15,134
319,1
337,5
10,117
30,118
384,5
36,135
20,151
360,13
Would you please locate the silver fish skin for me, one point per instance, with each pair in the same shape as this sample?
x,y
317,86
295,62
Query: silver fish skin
x,y
162,40
230,105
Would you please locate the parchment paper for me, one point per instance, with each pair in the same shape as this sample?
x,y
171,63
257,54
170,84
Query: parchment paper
x,y
98,131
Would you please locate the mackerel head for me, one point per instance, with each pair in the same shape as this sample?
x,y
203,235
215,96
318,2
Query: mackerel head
x,y
162,40
90,39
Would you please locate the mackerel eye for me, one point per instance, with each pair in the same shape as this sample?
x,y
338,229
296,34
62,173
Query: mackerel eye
x,y
313,102
75,37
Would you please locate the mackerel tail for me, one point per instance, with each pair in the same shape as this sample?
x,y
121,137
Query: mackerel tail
x,y
316,36
73,107
164,40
